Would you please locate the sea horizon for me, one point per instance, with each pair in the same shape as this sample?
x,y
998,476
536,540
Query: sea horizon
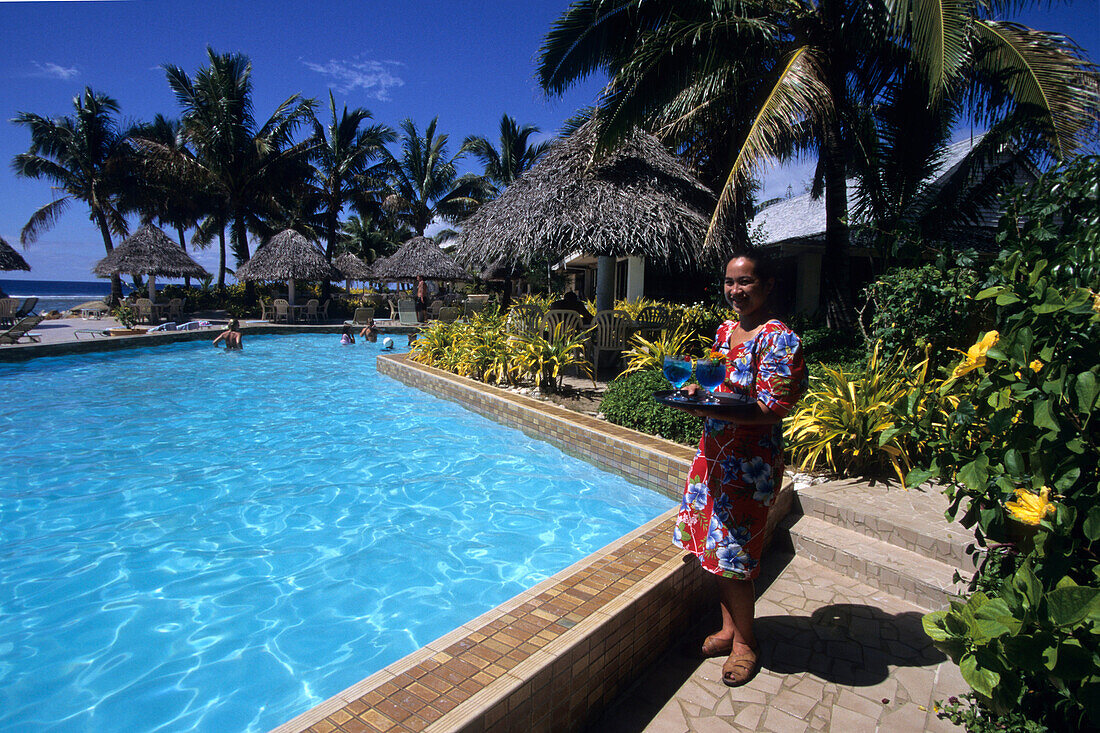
x,y
50,288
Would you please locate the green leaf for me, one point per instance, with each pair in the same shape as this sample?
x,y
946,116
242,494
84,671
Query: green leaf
x,y
975,474
1026,650
918,476
1087,389
933,624
990,292
1071,604
1006,298
1072,662
981,680
1014,462
1091,526
1043,417
1028,585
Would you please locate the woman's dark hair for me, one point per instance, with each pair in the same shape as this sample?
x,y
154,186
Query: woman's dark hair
x,y
347,330
234,325
763,264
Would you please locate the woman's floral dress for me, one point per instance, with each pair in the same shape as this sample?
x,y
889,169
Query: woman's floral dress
x,y
738,468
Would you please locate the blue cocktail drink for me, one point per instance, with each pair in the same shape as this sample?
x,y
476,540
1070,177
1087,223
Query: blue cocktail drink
x,y
677,370
710,373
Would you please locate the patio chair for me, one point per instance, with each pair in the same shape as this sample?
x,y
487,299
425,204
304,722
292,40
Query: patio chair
x,y
406,312
8,307
22,330
175,310
144,308
312,311
472,307
324,310
562,321
267,310
282,310
611,334
449,313
433,309
652,320
361,317
27,309
524,320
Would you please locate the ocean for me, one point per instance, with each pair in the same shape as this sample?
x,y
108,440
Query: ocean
x,y
59,295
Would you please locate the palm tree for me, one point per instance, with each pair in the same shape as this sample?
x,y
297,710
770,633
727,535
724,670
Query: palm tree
x,y
369,238
425,183
159,192
342,154
82,155
807,72
252,172
512,159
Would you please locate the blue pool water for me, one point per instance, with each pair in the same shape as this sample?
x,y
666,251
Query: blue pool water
x,y
195,539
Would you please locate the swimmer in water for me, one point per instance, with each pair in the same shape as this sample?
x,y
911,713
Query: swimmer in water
x,y
231,336
370,332
346,338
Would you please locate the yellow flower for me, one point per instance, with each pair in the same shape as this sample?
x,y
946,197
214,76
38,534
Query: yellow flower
x,y
1035,366
1030,508
975,355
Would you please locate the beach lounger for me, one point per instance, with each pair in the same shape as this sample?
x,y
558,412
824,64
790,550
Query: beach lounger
x,y
93,332
193,325
406,313
169,326
22,330
27,309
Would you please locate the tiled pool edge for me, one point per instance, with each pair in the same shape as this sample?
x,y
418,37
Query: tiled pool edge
x,y
558,653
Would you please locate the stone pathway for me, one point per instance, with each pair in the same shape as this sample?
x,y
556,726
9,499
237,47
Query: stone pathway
x,y
837,655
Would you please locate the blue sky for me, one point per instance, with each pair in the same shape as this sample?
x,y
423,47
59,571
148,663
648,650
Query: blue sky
x,y
463,61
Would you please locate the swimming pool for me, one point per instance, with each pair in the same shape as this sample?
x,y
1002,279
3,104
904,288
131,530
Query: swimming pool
x,y
193,539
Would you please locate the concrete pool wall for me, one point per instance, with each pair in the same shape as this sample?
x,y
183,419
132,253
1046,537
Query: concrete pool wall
x,y
556,655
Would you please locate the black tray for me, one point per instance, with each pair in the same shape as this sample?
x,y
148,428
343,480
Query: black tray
x,y
676,398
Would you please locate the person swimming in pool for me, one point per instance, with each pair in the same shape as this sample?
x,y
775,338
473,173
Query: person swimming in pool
x,y
346,338
232,336
370,331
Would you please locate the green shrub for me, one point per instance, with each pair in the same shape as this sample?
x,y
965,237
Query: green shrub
x,y
918,307
1020,458
829,348
629,402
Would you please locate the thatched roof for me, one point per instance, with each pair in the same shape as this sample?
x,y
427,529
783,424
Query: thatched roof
x,y
10,259
352,268
639,200
501,270
149,251
418,256
288,256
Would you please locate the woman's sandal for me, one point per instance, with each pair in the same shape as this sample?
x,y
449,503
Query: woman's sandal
x,y
715,647
740,668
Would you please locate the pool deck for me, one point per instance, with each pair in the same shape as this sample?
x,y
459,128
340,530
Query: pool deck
x,y
608,643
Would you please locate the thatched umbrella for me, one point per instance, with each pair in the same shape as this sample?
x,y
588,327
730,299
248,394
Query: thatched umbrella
x,y
352,268
150,252
10,259
419,256
288,256
636,201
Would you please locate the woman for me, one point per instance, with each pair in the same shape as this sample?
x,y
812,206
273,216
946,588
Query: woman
x,y
739,465
231,336
346,337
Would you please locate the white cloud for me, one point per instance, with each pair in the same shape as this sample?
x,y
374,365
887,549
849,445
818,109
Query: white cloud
x,y
51,70
375,78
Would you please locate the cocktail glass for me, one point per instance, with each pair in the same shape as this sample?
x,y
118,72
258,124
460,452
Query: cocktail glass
x,y
677,370
710,373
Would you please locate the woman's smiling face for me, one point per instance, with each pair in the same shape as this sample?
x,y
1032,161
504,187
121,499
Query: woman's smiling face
x,y
745,292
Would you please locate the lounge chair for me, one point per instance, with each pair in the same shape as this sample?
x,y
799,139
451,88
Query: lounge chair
x,y
22,330
194,325
406,313
362,317
169,326
27,309
93,332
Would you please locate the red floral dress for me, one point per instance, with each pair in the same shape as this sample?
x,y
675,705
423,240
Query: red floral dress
x,y
738,468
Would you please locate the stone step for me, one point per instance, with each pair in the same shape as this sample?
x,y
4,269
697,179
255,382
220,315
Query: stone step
x,y
901,572
912,519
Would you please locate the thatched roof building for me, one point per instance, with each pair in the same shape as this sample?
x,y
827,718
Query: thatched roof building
x,y
149,251
10,259
636,201
418,256
288,256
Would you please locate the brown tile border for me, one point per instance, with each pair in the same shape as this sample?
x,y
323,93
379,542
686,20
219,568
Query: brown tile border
x,y
553,656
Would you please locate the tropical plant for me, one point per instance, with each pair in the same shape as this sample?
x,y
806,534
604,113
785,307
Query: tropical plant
x,y
342,153
425,182
544,359
929,306
628,401
83,155
253,172
847,424
512,159
125,315
645,355
1020,460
